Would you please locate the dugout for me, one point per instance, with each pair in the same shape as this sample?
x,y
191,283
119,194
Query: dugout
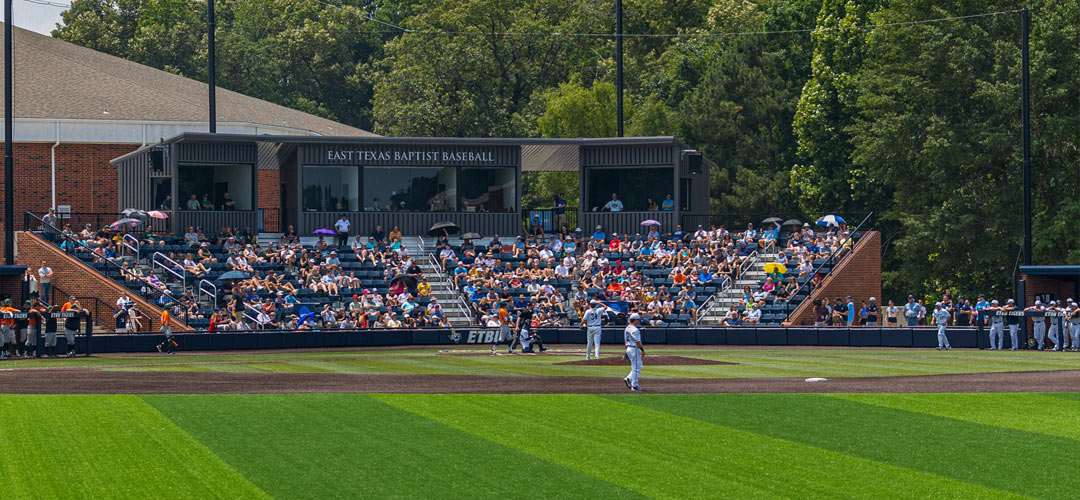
x,y
308,182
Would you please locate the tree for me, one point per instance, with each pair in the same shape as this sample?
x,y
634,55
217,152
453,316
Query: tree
x,y
825,180
471,67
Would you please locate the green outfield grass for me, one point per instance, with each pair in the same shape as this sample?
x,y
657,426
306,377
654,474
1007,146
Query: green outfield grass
x,y
541,446
750,362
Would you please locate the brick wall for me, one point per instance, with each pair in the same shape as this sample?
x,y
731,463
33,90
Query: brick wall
x,y
11,288
74,277
1060,289
84,177
859,275
269,182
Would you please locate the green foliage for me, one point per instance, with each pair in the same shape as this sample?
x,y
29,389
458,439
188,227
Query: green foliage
x,y
574,111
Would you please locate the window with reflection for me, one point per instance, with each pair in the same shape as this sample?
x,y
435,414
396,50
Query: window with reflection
x,y
634,186
488,189
331,188
412,189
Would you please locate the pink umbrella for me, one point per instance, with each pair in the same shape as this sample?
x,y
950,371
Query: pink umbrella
x,y
157,214
650,222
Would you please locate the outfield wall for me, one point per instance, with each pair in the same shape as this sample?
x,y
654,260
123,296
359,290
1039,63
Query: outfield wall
x,y
778,336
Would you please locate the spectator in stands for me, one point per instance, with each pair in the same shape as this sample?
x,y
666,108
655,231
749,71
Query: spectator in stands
x,y
45,274
342,228
668,204
166,204
753,316
821,313
377,234
614,205
193,202
205,203
732,317
227,203
598,234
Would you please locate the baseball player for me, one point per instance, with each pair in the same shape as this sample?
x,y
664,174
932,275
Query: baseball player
x,y
1066,332
7,329
1014,325
169,343
1038,320
997,326
1055,325
50,332
592,320
33,327
1074,325
634,352
504,330
941,317
71,326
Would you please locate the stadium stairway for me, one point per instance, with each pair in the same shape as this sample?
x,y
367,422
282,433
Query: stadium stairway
x,y
732,295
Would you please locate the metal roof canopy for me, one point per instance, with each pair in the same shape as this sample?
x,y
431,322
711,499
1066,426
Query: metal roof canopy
x,y
538,154
1052,271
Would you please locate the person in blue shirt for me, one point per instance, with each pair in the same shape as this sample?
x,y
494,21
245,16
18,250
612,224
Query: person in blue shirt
x,y
678,234
705,276
850,305
668,204
981,305
599,234
615,205
911,311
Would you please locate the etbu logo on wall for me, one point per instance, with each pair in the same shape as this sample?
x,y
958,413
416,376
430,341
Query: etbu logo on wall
x,y
475,336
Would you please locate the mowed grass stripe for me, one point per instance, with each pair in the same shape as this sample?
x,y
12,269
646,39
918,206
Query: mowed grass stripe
x,y
1026,412
350,446
106,447
662,455
984,455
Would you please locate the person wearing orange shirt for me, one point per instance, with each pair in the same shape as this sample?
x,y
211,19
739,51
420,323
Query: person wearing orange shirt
x,y
504,329
7,328
33,328
168,345
71,324
69,304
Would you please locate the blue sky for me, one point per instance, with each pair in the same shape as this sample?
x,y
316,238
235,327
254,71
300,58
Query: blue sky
x,y
35,17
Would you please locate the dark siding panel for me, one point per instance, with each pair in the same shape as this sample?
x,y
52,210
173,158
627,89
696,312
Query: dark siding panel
x,y
626,222
413,223
211,221
600,156
216,153
134,183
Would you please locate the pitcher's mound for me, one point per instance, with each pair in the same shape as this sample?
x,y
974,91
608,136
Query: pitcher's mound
x,y
654,360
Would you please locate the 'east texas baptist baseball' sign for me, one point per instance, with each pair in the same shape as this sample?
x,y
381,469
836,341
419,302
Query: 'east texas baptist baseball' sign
x,y
408,156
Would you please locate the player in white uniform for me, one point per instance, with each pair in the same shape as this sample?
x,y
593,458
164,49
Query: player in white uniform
x,y
1055,325
592,320
941,317
1038,321
1074,325
634,351
997,326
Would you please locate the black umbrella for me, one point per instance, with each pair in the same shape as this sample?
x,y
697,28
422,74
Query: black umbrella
x,y
771,219
792,222
470,236
134,212
407,280
232,275
447,228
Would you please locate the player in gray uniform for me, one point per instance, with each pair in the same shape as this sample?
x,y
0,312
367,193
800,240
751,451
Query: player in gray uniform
x,y
997,326
71,327
941,317
1066,328
1014,325
1038,320
1055,325
634,352
592,320
1074,325
7,330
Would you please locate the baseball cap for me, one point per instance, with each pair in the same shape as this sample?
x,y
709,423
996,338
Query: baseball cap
x,y
635,316
994,301
911,296
1038,302
1010,301
873,299
937,304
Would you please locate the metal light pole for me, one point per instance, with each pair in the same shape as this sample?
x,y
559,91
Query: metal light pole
x,y
9,159
1025,111
618,67
211,55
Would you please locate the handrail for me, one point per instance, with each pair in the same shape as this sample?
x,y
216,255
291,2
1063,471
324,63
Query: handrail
x,y
52,229
831,256
200,290
420,244
459,303
182,274
132,246
701,311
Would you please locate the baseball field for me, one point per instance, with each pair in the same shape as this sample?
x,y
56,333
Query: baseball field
x,y
461,423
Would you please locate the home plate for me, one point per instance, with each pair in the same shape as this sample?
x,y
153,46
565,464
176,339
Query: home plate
x,y
816,379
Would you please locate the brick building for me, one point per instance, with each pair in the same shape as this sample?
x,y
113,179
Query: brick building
x,y
76,109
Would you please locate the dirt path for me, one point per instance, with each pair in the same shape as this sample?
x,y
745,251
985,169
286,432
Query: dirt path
x,y
78,381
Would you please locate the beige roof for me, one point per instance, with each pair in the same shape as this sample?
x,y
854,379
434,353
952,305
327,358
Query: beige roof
x,y
60,80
